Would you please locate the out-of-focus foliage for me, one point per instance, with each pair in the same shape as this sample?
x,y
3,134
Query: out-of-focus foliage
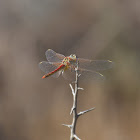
x,y
34,109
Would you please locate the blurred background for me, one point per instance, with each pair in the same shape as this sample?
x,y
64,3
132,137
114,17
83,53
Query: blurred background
x,y
34,109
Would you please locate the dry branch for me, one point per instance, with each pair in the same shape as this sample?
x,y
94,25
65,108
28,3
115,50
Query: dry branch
x,y
73,111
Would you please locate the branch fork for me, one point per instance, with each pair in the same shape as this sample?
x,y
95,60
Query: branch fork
x,y
73,111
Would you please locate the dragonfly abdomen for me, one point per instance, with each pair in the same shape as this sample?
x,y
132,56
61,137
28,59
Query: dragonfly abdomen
x,y
52,72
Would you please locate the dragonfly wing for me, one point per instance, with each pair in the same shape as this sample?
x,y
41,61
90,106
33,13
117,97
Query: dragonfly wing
x,y
52,56
48,67
56,75
85,75
69,75
90,75
95,65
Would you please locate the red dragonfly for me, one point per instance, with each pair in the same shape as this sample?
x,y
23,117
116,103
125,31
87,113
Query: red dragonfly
x,y
58,63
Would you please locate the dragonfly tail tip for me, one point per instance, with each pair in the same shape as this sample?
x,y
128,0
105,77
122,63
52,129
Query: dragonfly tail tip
x,y
43,77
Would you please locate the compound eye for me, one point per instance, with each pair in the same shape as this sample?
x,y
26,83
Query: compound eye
x,y
74,56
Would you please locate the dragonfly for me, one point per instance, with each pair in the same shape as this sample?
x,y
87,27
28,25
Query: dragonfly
x,y
58,64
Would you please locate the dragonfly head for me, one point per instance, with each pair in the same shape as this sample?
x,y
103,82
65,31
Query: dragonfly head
x,y
73,57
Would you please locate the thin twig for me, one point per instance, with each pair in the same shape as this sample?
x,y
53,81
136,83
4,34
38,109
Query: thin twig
x,y
73,111
80,88
74,108
72,89
83,112
67,125
75,136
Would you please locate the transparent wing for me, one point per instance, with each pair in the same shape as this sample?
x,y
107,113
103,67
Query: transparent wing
x,y
69,75
52,56
86,75
48,67
95,65
90,75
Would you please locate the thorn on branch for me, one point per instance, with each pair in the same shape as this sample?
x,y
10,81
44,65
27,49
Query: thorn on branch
x,y
72,110
76,137
83,112
80,88
69,126
79,75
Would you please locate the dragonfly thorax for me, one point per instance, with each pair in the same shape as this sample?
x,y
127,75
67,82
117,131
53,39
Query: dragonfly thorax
x,y
66,61
69,60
